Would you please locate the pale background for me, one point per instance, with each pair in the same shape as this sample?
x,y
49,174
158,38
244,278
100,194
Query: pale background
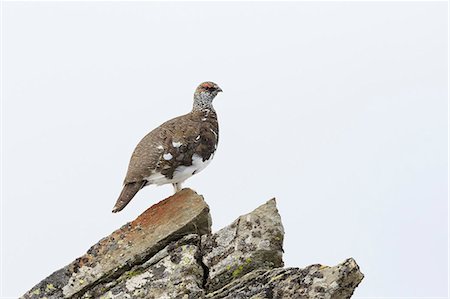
x,y
337,109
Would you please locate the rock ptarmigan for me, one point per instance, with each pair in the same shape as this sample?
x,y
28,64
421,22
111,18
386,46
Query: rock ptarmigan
x,y
176,150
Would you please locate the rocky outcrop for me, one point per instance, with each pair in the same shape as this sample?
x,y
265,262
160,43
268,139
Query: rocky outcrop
x,y
133,244
315,281
174,272
169,252
253,241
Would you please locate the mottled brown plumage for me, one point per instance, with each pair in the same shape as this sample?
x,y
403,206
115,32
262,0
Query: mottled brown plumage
x,y
176,150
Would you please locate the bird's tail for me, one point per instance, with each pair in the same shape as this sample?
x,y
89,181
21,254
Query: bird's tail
x,y
128,192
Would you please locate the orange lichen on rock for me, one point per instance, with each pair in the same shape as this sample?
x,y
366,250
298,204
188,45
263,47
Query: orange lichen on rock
x,y
167,209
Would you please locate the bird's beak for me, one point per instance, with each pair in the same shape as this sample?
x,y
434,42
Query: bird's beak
x,y
219,89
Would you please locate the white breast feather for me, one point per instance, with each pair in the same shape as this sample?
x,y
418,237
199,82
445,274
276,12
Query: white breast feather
x,y
184,172
181,173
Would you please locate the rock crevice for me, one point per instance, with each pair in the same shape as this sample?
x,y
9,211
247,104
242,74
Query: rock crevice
x,y
170,252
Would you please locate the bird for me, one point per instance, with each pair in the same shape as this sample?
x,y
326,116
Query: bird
x,y
176,150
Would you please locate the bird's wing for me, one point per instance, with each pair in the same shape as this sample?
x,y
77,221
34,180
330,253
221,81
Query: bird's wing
x,y
148,156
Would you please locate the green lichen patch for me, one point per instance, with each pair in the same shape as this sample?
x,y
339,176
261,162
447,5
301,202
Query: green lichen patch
x,y
50,287
132,273
242,269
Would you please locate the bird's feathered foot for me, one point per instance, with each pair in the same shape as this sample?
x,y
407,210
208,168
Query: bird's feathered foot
x,y
128,192
176,187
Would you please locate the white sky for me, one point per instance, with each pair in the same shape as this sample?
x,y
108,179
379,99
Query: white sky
x,y
339,109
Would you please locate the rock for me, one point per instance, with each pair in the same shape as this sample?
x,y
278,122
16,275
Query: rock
x,y
171,219
169,252
253,241
315,281
174,272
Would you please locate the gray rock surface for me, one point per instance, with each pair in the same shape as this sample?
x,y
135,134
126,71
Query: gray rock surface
x,y
315,281
183,213
174,272
169,252
253,241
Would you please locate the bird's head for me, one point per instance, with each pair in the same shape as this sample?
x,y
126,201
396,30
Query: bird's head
x,y
204,94
209,88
